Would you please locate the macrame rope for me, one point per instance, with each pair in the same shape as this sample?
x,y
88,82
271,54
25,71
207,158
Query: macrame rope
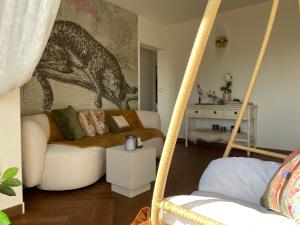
x,y
158,203
181,102
254,76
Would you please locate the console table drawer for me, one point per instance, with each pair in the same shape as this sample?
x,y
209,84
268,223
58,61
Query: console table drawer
x,y
214,113
233,113
196,112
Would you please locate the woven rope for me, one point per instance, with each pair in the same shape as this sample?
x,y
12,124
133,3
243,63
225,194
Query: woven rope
x,y
182,99
254,76
184,93
192,216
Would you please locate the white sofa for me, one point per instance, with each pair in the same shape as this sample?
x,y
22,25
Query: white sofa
x,y
62,167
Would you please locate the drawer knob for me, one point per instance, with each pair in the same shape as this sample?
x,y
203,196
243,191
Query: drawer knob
x,y
196,111
235,113
215,112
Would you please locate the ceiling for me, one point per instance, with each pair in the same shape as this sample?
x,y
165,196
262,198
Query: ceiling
x,y
167,12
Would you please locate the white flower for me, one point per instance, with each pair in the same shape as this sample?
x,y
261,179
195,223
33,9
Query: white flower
x,y
228,77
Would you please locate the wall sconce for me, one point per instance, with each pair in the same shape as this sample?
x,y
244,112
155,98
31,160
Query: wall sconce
x,y
221,42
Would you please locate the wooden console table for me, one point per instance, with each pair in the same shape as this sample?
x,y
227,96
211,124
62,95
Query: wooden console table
x,y
222,112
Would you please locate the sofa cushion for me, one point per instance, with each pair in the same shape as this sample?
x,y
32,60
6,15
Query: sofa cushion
x,y
67,120
117,124
129,114
282,194
242,178
86,122
111,139
98,118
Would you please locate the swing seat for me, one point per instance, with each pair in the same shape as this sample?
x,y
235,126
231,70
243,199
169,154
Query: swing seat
x,y
227,210
238,177
229,192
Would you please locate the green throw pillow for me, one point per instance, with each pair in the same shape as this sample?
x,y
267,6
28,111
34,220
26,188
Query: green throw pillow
x,y
117,124
68,122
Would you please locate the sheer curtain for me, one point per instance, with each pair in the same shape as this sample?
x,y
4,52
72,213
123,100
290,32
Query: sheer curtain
x,y
25,26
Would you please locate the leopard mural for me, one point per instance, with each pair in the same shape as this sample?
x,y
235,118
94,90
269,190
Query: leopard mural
x,y
73,56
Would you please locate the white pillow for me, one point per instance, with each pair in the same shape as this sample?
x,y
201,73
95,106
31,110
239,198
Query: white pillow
x,y
242,178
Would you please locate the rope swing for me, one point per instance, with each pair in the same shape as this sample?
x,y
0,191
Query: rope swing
x,y
158,203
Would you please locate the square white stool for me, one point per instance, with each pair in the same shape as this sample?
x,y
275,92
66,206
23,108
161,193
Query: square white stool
x,y
130,172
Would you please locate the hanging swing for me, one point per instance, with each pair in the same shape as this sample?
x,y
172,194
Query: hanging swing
x,y
159,204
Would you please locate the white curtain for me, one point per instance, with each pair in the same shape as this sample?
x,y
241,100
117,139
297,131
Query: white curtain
x,y
25,26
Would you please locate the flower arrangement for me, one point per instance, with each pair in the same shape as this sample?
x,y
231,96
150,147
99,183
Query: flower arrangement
x,y
213,98
7,183
228,84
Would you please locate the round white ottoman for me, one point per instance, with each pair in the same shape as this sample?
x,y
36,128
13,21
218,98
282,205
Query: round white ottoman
x,y
70,167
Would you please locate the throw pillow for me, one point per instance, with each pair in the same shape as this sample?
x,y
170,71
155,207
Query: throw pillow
x,y
283,192
86,122
292,155
67,120
117,124
98,118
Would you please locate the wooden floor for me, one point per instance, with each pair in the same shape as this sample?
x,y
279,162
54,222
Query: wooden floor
x,y
98,205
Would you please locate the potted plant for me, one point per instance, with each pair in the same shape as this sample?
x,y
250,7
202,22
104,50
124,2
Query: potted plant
x,y
227,88
7,183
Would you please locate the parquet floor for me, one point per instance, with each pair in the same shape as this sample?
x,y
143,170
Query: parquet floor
x,y
98,205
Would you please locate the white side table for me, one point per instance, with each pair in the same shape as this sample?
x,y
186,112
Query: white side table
x,y
130,172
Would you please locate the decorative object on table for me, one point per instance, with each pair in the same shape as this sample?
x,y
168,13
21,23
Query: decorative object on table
x,y
200,94
215,127
220,102
221,41
223,129
227,88
7,183
130,143
213,98
139,142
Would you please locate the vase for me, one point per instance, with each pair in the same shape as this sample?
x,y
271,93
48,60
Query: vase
x,y
226,97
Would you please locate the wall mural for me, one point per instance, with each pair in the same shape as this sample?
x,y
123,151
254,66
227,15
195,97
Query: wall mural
x,y
90,60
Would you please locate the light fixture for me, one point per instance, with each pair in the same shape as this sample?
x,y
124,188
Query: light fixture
x,y
221,41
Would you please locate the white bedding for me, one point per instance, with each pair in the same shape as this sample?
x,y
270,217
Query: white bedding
x,y
226,210
242,178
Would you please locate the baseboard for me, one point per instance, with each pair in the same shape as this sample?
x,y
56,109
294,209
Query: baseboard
x,y
223,146
203,143
14,211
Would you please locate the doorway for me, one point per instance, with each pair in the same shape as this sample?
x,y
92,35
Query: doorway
x,y
148,79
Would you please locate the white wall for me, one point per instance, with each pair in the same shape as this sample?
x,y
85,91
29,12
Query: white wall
x,y
10,142
276,92
151,34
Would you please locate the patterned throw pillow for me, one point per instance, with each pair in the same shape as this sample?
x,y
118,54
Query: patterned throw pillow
x,y
86,123
118,124
283,192
98,118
